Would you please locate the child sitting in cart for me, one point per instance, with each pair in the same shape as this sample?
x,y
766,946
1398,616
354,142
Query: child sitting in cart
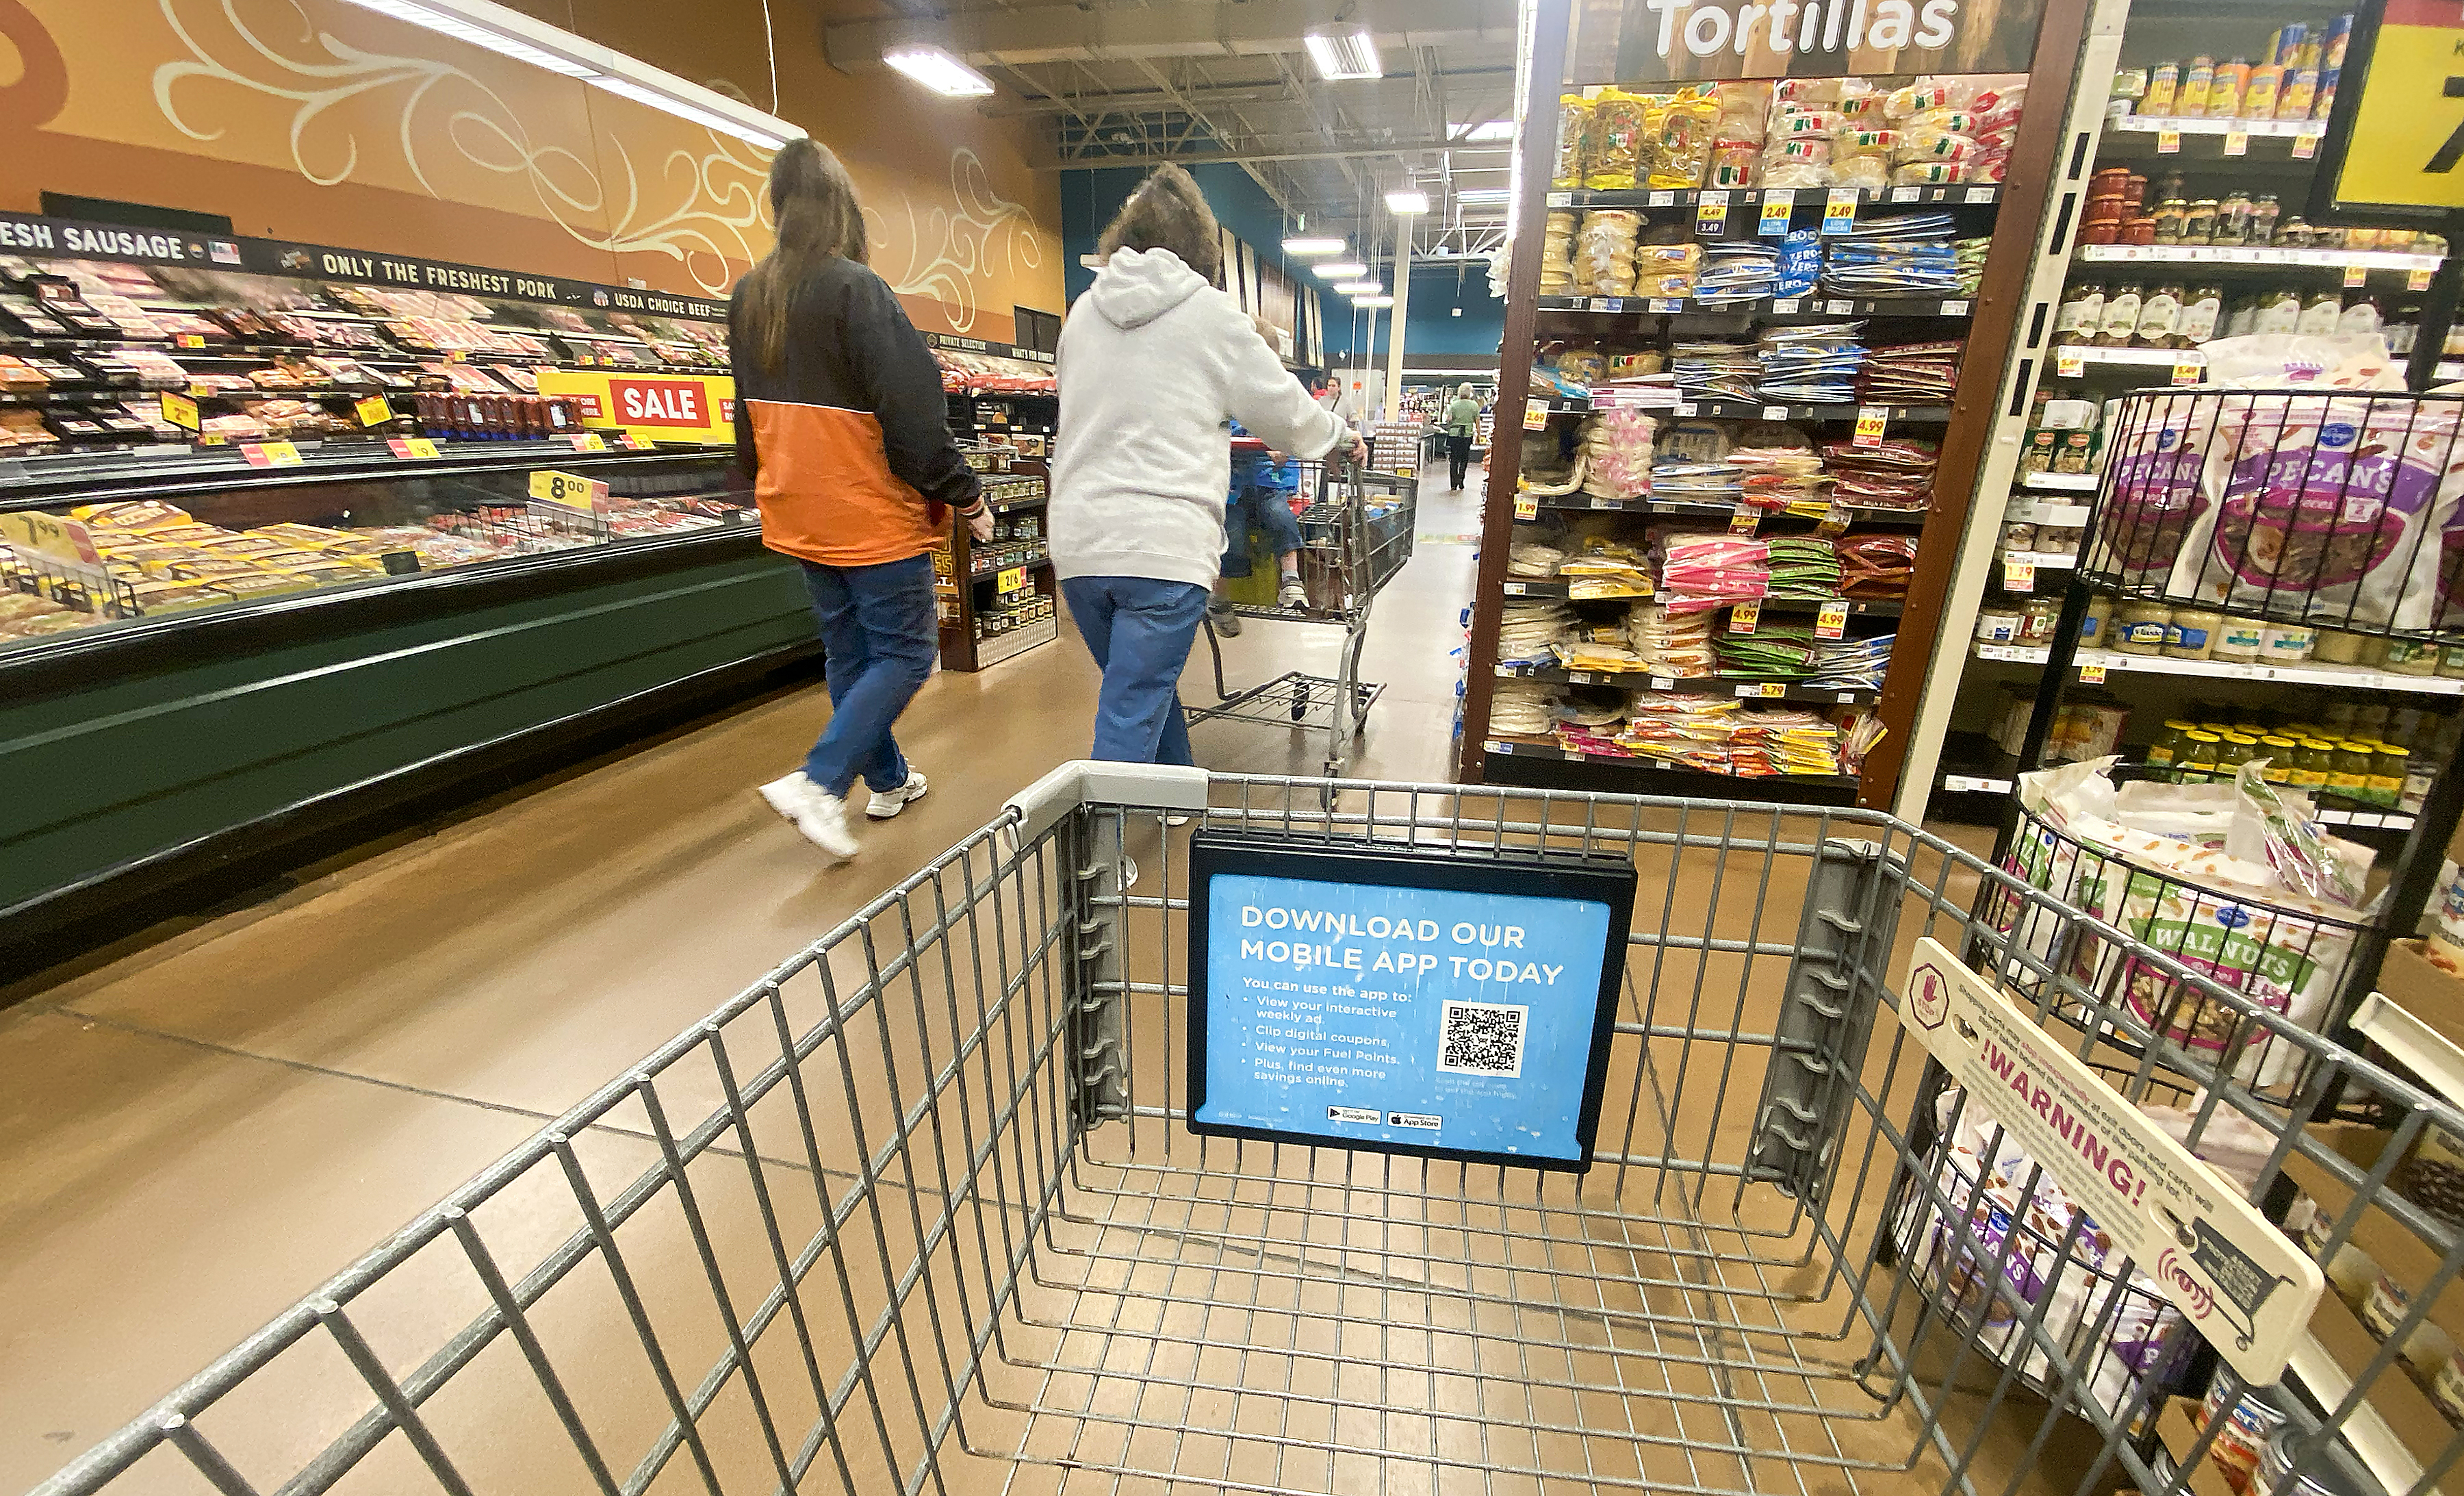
x,y
1263,483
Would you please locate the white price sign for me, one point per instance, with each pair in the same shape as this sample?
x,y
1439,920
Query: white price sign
x,y
2233,1276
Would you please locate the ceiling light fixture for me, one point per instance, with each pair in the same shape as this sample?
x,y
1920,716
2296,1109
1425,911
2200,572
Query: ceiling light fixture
x,y
1481,195
1485,130
1369,287
1338,269
1306,244
1373,302
1344,54
1405,201
510,34
939,71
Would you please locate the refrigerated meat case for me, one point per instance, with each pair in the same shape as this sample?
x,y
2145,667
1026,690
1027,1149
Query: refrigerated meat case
x,y
2040,470
1982,323
286,558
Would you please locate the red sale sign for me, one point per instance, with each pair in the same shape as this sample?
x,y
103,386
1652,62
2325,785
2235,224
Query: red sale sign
x,y
659,402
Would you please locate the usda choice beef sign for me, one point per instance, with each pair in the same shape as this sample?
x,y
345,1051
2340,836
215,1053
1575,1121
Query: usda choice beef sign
x,y
1647,41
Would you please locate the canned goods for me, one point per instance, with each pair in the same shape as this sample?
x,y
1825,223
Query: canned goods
x,y
2244,1426
2384,1309
2276,1473
2447,1390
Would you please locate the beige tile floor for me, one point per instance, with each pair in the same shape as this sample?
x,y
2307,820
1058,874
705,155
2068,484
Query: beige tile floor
x,y
197,1134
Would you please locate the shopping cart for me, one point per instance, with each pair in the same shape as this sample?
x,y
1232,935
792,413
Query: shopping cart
x,y
1356,532
921,1212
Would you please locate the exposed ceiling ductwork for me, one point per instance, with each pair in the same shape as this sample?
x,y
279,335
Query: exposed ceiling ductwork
x,y
1031,34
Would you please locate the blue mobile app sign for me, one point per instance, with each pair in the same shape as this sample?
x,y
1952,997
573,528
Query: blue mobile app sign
x,y
1404,1001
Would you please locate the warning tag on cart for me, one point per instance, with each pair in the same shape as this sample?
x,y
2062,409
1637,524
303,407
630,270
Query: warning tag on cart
x,y
2237,1278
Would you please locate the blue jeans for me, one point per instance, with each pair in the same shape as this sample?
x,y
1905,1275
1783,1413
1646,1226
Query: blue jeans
x,y
882,631
1140,629
1268,509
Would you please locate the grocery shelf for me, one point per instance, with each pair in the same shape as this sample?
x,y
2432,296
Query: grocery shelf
x,y
2368,820
1774,306
2420,1048
2224,255
1858,607
1795,198
2059,483
2155,123
980,572
1836,410
1701,685
2381,1452
993,649
2355,677
2060,515
2041,560
2014,654
1626,773
2163,358
1707,510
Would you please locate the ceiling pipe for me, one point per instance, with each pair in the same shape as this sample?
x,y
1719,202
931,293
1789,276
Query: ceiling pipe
x,y
1175,29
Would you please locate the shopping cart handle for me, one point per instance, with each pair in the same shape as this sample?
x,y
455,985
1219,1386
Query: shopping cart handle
x,y
1041,805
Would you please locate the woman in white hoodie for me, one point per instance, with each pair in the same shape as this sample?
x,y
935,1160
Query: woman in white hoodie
x,y
1154,365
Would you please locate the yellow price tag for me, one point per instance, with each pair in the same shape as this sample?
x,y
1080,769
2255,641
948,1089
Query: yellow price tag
x,y
2188,371
2169,143
1777,203
1839,209
1525,506
1535,415
2018,577
374,410
2069,363
589,441
1744,521
2237,143
2356,275
211,438
413,447
2416,279
1870,423
2305,146
51,535
1771,688
457,356
271,454
1833,620
2092,675
567,490
190,340
1711,218
198,389
1743,616
1010,580
180,411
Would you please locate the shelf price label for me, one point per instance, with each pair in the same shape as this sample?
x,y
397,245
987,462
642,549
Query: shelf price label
x,y
2069,363
2187,372
1777,203
1711,218
1527,506
180,411
1835,520
1871,420
1010,580
2091,675
374,410
2169,143
568,491
2416,279
1839,209
2305,147
1743,616
2237,143
1535,415
1743,520
588,441
1832,622
1768,688
2356,275
413,447
190,340
270,454
2018,577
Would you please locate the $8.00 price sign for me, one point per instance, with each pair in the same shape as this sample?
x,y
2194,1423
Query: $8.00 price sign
x,y
2406,145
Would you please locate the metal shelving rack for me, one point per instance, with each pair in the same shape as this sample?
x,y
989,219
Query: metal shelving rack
x,y
1989,322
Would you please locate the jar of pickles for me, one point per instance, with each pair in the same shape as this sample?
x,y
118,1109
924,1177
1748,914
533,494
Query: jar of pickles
x,y
2388,766
2349,773
2167,750
2199,757
2313,761
2279,751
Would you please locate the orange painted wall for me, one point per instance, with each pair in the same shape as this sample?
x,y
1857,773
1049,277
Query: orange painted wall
x,y
321,120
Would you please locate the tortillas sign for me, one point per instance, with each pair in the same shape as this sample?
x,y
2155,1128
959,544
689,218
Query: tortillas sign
x,y
1652,41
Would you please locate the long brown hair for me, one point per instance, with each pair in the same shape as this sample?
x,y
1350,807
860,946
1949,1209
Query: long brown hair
x,y
1168,212
813,201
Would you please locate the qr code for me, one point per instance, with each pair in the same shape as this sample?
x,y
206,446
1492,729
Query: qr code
x,y
1481,1039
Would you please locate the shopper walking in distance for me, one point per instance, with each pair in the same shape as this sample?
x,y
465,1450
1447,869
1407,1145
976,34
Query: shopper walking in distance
x,y
841,425
1462,422
1154,362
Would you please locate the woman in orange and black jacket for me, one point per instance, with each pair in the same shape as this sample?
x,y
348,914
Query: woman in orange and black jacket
x,y
841,425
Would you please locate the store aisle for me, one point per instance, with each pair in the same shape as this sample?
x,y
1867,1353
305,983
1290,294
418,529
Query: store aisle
x,y
197,1134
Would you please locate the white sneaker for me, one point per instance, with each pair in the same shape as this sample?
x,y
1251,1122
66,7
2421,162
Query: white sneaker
x,y
1294,594
883,805
819,815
